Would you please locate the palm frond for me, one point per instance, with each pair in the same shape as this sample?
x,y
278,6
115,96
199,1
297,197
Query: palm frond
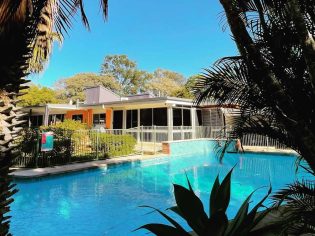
x,y
299,200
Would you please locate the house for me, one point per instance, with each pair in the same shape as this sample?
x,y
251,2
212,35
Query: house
x,y
104,108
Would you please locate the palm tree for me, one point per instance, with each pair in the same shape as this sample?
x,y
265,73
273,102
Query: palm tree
x,y
272,79
27,28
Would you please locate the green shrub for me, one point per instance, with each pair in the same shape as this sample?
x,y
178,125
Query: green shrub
x,y
28,140
111,145
66,125
67,134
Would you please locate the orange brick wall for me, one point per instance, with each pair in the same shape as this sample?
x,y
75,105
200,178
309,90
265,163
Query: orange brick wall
x,y
88,116
108,123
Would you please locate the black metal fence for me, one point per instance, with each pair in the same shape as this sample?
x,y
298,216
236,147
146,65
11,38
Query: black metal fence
x,y
72,146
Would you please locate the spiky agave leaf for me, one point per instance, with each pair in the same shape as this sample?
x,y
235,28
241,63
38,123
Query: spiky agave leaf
x,y
190,208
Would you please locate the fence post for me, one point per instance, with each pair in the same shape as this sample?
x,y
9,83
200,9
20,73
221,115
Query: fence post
x,y
141,139
97,143
181,133
154,138
267,142
37,147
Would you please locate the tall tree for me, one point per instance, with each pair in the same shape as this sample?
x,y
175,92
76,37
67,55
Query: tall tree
x,y
273,82
37,95
126,72
186,91
72,88
19,29
165,83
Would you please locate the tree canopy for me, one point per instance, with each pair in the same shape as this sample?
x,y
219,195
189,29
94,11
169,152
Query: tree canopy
x,y
37,95
122,75
165,82
125,71
72,88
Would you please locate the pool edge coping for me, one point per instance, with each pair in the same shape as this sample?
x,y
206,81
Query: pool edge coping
x,y
76,167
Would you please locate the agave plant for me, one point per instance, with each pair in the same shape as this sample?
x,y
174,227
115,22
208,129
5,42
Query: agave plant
x,y
216,223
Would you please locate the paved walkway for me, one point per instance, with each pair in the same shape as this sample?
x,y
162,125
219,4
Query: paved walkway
x,y
40,172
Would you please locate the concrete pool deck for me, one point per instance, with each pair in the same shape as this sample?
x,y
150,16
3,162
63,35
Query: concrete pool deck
x,y
55,170
269,150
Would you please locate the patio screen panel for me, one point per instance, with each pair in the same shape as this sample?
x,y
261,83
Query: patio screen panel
x,y
146,117
132,118
160,116
118,119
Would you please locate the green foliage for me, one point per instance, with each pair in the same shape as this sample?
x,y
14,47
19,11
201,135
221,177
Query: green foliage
x,y
73,87
276,59
19,24
190,208
186,90
165,83
272,81
121,75
111,145
37,95
126,73
66,139
67,124
73,145
299,212
28,140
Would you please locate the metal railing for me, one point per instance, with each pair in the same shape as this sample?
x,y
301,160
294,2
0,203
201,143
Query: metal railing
x,y
256,140
85,145
73,146
155,135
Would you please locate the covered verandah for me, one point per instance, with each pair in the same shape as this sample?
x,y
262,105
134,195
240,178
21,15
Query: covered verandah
x,y
170,117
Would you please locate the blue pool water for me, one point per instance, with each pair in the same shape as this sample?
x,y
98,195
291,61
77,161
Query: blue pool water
x,y
105,201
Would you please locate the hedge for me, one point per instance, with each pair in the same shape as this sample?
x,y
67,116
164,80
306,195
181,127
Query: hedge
x,y
111,145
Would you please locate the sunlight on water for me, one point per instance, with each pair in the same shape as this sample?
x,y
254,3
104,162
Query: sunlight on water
x,y
105,201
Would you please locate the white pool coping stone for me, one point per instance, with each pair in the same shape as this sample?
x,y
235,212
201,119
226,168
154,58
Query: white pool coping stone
x,y
40,172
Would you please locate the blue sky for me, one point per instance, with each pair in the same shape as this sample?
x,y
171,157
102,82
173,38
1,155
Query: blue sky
x,y
180,35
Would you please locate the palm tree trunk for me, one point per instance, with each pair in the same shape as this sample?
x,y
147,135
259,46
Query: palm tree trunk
x,y
10,126
17,33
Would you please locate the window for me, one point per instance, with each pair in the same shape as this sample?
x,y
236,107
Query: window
x,y
199,117
132,118
177,116
99,119
118,120
60,117
181,117
146,117
160,116
36,121
186,117
53,119
77,117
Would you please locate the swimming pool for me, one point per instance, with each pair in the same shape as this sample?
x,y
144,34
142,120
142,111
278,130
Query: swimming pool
x,y
105,201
